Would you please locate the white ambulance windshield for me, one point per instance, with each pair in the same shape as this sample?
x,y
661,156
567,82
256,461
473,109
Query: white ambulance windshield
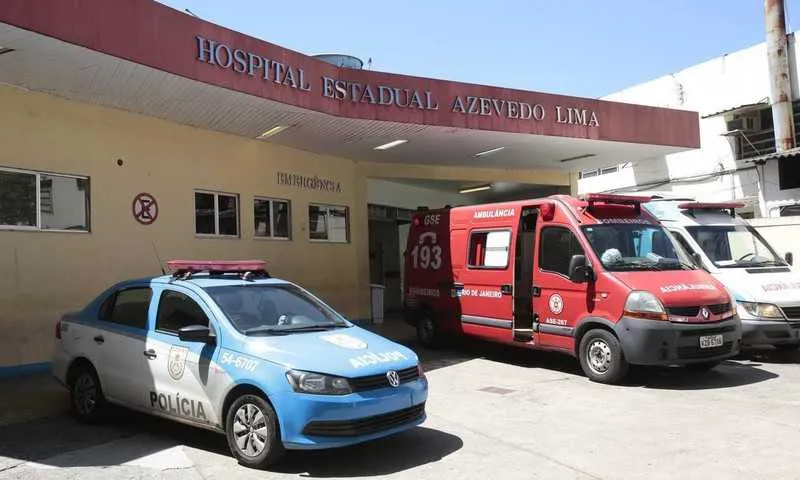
x,y
731,246
273,308
626,247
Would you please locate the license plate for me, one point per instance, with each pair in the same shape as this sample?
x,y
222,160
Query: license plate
x,y
711,341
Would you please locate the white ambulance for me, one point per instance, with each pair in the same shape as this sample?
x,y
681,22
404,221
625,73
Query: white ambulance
x,y
763,283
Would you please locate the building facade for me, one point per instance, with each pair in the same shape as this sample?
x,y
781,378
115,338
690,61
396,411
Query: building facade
x,y
132,133
737,160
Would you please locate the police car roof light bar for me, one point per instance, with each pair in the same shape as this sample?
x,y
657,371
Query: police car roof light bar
x,y
729,206
186,268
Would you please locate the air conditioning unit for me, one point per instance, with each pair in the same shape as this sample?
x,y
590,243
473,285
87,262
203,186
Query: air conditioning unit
x,y
745,123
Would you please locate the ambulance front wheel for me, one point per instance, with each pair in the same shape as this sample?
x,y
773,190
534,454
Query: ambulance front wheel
x,y
601,357
251,428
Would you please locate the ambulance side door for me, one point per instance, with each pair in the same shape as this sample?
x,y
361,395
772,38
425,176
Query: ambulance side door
x,y
485,284
559,302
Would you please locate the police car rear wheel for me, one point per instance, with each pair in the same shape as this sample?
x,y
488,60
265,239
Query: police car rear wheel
x,y
601,357
252,432
86,395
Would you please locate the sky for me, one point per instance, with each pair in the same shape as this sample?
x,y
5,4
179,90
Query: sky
x,y
587,48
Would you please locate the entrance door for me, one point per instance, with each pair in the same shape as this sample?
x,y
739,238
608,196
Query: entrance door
x,y
524,316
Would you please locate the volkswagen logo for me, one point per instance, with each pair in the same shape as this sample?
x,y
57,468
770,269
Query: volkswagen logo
x,y
705,313
393,377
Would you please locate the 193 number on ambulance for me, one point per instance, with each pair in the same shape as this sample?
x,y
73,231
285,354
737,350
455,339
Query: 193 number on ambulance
x,y
426,257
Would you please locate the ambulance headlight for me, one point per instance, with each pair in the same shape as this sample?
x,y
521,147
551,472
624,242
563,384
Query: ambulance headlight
x,y
645,305
317,383
753,310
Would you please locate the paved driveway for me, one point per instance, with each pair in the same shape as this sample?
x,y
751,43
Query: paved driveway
x,y
494,412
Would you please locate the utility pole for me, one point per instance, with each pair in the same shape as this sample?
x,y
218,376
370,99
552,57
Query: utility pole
x,y
779,75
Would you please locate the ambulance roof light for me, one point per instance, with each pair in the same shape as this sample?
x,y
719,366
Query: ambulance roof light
x,y
185,268
612,199
616,199
729,206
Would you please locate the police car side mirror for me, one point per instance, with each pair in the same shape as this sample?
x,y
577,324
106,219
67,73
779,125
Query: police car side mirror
x,y
579,270
789,258
195,333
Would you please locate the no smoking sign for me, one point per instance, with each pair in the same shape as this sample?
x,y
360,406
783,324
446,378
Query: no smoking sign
x,y
145,208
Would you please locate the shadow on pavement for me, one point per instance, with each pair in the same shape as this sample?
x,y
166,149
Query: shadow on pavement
x,y
405,451
730,374
770,355
735,373
63,442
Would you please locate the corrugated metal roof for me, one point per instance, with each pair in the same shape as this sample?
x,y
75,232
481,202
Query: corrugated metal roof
x,y
741,108
775,155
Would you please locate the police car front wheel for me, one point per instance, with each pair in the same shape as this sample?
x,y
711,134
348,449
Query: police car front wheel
x,y
252,432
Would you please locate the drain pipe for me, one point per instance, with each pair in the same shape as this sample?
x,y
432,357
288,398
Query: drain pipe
x,y
779,76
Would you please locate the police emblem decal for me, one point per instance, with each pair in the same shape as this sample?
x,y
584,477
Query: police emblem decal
x,y
176,363
393,378
345,341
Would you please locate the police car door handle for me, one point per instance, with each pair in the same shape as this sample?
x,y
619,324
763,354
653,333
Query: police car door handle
x,y
99,339
151,354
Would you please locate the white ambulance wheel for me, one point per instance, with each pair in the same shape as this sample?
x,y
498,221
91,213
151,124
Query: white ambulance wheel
x,y
601,357
87,401
427,331
251,428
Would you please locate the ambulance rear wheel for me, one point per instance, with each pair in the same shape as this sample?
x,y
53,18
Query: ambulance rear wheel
x,y
427,330
601,357
251,428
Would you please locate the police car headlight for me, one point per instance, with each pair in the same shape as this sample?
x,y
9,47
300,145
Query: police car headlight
x,y
753,311
310,382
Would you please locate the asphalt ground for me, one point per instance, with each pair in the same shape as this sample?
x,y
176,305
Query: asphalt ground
x,y
494,412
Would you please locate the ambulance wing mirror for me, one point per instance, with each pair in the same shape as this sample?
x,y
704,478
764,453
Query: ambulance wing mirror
x,y
579,270
789,258
698,260
195,333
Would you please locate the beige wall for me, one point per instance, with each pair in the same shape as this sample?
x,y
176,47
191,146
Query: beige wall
x,y
44,274
47,273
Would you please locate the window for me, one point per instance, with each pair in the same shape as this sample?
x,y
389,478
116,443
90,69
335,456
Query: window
x,y
625,247
329,223
216,214
788,173
176,310
734,246
43,201
271,218
557,246
129,307
257,306
489,249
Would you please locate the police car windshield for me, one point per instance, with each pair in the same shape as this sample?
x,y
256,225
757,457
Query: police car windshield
x,y
267,309
628,247
732,246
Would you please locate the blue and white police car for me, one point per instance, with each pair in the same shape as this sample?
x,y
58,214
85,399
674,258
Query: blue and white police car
x,y
224,346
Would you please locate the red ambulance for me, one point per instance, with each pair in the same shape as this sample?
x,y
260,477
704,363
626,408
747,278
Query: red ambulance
x,y
596,277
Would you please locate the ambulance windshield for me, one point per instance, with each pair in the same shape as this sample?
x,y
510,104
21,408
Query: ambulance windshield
x,y
732,246
266,309
628,247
